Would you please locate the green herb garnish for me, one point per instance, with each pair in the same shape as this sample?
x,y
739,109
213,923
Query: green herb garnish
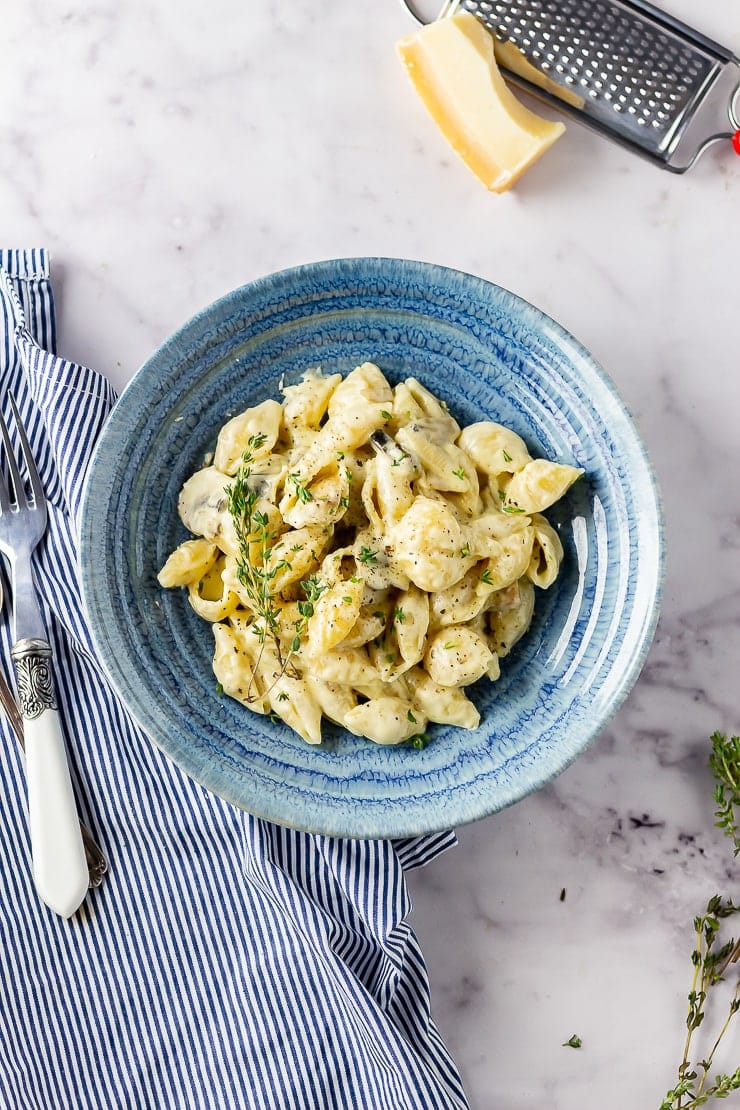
x,y
252,529
368,556
302,493
255,571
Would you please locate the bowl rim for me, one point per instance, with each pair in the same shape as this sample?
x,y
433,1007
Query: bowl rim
x,y
509,302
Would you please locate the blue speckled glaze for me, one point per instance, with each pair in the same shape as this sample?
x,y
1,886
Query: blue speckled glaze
x,y
489,355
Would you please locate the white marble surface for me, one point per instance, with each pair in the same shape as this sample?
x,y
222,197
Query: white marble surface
x,y
166,153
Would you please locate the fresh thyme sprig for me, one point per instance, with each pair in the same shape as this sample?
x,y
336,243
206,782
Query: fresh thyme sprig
x,y
722,1087
257,573
252,528
725,763
710,964
711,960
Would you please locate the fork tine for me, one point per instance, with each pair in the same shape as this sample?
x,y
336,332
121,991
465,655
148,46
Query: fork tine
x,y
20,493
4,498
36,487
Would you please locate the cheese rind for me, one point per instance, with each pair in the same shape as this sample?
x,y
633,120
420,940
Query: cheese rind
x,y
452,66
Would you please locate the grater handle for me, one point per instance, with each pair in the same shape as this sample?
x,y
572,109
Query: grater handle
x,y
715,117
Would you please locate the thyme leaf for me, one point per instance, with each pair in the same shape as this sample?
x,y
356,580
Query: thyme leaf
x,y
301,491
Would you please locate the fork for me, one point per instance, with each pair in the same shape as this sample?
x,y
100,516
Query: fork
x,y
97,865
59,864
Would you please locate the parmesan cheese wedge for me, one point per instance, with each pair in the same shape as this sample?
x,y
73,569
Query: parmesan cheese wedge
x,y
452,66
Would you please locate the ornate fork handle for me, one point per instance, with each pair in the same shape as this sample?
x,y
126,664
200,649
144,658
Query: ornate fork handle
x,y
35,683
35,688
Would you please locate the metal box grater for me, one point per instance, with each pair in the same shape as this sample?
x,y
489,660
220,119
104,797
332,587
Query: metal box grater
x,y
623,67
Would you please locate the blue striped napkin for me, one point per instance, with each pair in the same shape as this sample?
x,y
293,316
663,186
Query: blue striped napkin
x,y
225,961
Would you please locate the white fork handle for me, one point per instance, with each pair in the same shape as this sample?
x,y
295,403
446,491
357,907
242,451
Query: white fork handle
x,y
59,864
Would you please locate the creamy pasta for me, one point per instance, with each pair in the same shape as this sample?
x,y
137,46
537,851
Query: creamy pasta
x,y
362,558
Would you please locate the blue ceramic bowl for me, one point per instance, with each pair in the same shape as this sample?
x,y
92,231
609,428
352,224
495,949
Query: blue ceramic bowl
x,y
487,354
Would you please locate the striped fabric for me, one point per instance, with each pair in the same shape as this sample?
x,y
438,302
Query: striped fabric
x,y
225,961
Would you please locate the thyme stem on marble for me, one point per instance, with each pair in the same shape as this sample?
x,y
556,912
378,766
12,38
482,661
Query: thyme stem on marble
x,y
712,960
725,764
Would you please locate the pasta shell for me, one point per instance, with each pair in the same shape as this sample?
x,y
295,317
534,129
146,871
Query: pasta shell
x,y
384,720
540,484
187,563
493,448
260,424
457,656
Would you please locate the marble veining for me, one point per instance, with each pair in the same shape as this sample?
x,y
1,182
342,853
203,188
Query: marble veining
x,y
166,155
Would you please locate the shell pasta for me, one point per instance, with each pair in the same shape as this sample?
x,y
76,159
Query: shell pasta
x,y
360,557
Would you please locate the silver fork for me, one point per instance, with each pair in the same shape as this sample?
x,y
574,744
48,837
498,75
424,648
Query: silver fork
x,y
59,864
